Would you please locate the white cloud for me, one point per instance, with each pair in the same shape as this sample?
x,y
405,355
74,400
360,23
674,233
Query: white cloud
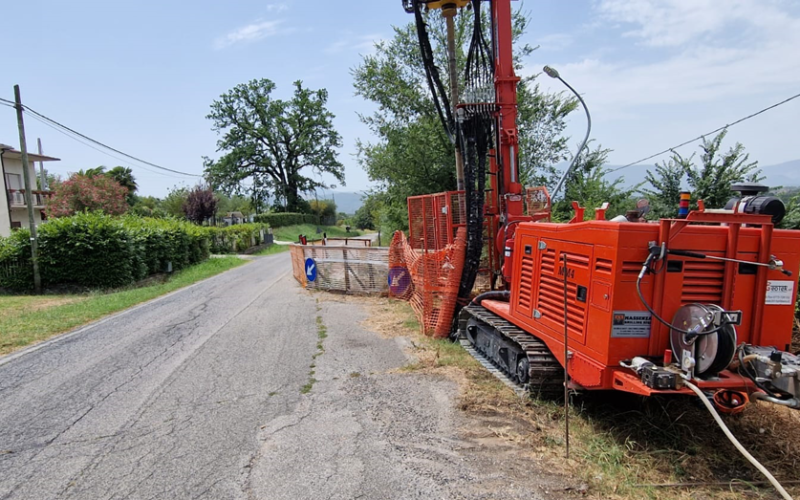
x,y
670,23
363,44
555,41
248,34
691,51
277,7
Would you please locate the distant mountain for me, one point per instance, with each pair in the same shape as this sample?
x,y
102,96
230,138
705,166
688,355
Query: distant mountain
x,y
782,175
347,202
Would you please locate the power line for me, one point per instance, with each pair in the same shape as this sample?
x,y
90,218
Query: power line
x,y
740,120
94,141
88,145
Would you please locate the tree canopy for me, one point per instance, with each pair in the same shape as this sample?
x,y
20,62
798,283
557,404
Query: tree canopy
x,y
709,181
81,193
413,154
276,146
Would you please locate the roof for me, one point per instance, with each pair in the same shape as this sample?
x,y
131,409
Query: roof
x,y
10,152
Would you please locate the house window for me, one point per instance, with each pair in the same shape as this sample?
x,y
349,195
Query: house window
x,y
13,181
16,225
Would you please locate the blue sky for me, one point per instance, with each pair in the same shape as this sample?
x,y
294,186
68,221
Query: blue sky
x,y
140,76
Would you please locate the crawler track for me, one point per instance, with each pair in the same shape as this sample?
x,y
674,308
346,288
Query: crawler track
x,y
508,349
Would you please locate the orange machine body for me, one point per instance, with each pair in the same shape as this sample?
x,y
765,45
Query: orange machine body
x,y
607,322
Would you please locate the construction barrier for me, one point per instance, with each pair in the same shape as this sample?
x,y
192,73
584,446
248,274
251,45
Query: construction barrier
x,y
360,270
429,280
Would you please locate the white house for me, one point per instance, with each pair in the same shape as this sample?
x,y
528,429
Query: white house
x,y
13,209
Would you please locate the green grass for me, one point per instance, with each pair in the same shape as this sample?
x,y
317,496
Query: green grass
x,y
27,319
290,233
272,250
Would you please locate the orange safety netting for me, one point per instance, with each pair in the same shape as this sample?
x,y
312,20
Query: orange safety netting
x,y
428,279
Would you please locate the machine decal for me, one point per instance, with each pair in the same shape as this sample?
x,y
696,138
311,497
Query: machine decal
x,y
779,292
631,324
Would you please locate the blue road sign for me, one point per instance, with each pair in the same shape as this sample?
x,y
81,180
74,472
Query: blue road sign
x,y
399,280
311,269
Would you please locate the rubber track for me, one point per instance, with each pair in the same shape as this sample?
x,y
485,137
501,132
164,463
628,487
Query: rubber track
x,y
546,373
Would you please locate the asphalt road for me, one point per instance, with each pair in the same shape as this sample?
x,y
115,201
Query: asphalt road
x,y
200,395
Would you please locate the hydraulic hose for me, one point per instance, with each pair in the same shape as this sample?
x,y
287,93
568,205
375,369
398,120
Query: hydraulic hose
x,y
736,443
501,295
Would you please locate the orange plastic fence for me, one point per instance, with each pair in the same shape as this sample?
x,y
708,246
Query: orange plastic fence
x,y
428,280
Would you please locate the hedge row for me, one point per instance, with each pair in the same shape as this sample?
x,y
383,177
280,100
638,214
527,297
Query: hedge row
x,y
100,251
286,219
238,238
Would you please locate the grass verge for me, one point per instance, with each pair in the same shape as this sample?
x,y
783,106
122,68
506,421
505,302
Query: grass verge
x,y
28,319
322,334
621,445
272,250
290,233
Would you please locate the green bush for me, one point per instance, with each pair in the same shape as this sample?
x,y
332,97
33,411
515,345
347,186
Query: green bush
x,y
282,219
100,251
88,249
236,239
16,271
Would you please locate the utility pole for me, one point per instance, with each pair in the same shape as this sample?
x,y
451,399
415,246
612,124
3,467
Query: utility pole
x,y
42,178
23,147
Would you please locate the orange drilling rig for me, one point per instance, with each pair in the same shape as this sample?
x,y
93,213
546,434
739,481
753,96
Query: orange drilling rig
x,y
702,303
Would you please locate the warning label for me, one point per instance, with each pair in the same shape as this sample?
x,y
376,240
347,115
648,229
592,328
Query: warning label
x,y
779,292
631,324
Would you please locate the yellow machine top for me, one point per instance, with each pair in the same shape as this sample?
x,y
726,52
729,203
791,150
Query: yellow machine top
x,y
438,4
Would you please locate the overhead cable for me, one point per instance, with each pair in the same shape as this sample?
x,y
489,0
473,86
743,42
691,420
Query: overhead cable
x,y
707,134
95,141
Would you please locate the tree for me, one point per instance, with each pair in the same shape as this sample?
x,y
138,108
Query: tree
x,y
235,203
124,176
587,184
173,203
200,205
273,142
413,154
666,182
712,180
81,193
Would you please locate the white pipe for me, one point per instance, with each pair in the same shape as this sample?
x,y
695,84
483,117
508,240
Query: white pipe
x,y
736,443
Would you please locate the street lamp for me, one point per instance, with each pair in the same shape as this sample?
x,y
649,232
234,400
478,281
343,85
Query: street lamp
x,y
552,73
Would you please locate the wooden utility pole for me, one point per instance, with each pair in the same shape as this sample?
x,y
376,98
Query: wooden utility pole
x,y
23,147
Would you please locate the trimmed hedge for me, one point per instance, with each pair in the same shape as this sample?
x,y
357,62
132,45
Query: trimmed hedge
x,y
286,219
100,251
16,271
236,239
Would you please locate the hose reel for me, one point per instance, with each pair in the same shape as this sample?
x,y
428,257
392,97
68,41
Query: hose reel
x,y
704,338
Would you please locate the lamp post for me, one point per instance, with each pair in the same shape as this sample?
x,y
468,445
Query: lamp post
x,y
552,73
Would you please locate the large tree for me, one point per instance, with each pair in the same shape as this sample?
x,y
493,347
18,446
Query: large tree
x,y
413,154
273,145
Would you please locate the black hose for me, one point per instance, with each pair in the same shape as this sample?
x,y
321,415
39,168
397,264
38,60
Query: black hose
x,y
501,295
689,333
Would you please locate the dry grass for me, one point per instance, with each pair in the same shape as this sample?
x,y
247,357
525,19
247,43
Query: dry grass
x,y
619,442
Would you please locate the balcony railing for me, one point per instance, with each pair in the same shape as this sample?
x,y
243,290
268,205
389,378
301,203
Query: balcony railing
x,y
16,198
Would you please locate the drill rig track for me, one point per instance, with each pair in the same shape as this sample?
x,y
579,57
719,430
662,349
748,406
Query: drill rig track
x,y
523,360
